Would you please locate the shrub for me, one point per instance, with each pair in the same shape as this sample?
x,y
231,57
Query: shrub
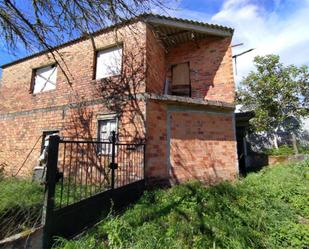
x,y
264,210
281,151
20,205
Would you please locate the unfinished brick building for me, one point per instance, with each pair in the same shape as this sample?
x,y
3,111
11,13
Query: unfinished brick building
x,y
167,82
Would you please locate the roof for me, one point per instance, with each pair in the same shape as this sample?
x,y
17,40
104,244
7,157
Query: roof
x,y
156,21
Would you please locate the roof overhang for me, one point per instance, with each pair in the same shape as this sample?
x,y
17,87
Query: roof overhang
x,y
169,29
198,27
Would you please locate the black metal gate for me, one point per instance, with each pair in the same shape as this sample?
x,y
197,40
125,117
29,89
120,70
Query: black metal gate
x,y
85,180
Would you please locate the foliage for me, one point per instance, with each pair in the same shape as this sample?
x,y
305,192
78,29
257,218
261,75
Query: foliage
x,y
20,205
265,210
278,95
286,150
282,150
19,192
42,24
303,149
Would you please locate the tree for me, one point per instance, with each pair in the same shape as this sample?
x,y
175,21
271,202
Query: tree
x,y
278,95
43,24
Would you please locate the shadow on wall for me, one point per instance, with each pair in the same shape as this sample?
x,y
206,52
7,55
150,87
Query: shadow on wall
x,y
205,58
117,95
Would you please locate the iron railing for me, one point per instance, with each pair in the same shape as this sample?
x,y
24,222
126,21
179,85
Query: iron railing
x,y
86,168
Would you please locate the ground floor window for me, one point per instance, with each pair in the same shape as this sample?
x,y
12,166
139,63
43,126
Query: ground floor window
x,y
44,135
105,128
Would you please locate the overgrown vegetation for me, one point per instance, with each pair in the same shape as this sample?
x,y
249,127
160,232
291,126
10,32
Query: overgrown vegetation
x,y
286,150
20,205
268,209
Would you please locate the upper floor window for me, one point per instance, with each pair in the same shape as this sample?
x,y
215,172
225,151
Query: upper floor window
x,y
181,80
44,79
108,62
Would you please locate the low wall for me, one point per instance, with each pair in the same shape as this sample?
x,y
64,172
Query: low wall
x,y
272,160
30,239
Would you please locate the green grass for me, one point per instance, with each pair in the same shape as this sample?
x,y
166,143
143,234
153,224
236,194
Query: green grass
x,y
268,209
285,150
18,192
20,205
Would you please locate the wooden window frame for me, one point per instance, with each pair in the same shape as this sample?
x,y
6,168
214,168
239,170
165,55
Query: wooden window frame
x,y
190,86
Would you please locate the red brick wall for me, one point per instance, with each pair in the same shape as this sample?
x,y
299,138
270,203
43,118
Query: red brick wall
x,y
211,68
190,144
20,133
79,67
202,147
24,116
156,164
156,71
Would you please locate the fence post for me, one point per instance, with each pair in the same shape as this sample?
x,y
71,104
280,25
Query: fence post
x,y
50,185
113,165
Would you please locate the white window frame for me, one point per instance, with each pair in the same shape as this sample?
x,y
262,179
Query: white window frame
x,y
102,148
47,82
104,70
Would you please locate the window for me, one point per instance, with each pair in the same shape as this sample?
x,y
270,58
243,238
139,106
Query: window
x,y
109,62
44,79
105,128
181,80
44,135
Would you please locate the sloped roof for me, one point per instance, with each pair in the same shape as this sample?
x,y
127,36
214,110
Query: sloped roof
x,y
157,20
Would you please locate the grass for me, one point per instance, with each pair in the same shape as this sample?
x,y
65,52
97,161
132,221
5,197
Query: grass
x,y
268,209
19,193
20,205
21,202
285,150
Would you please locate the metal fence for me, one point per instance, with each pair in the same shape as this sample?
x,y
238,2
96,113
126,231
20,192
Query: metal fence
x,y
90,167
85,176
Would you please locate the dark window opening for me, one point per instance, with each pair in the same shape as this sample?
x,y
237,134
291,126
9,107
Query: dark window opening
x,y
44,135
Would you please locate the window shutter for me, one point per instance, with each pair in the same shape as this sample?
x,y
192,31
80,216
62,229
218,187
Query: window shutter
x,y
181,85
109,62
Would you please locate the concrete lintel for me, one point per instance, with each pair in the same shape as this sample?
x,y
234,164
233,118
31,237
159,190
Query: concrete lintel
x,y
188,101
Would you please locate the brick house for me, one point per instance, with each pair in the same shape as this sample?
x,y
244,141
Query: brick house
x,y
162,80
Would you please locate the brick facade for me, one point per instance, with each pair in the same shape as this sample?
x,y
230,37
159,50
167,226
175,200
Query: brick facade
x,y
194,143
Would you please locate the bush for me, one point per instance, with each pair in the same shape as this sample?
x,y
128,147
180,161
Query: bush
x,y
20,205
268,209
281,151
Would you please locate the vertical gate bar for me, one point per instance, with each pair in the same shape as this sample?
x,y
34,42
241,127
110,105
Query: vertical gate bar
x,y
96,169
87,166
144,160
81,173
91,170
69,182
63,166
75,171
49,198
113,159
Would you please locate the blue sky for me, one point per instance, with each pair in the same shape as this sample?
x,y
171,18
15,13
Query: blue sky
x,y
270,26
